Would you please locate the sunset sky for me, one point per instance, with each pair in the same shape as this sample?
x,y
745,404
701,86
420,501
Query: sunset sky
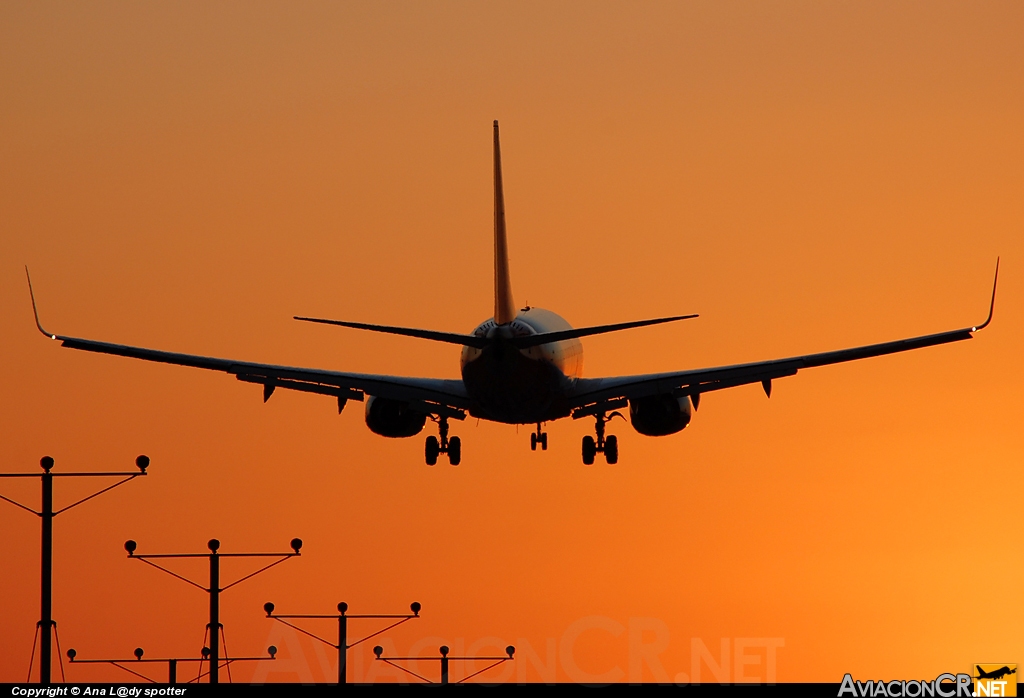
x,y
806,176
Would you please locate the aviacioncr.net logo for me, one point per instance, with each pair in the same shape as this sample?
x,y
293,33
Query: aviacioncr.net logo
x,y
943,686
995,680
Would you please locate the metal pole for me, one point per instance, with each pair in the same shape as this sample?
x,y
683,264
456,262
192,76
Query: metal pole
x,y
214,611
342,646
444,660
46,576
46,625
214,628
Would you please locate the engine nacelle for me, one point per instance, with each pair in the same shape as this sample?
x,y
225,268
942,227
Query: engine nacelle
x,y
660,415
393,418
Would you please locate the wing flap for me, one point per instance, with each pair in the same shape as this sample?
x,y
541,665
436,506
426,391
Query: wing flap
x,y
270,384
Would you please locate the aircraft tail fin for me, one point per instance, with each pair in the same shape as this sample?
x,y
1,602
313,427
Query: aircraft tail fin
x,y
504,307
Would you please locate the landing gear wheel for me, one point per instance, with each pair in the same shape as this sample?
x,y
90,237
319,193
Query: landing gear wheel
x,y
539,437
455,450
589,450
611,449
431,450
609,445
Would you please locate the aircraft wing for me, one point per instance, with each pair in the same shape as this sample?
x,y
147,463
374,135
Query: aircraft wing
x,y
429,395
432,395
595,395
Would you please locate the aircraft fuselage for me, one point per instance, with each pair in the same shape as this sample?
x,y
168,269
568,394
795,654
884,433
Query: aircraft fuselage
x,y
522,386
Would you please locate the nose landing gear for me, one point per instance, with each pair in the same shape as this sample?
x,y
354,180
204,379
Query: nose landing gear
x,y
434,446
609,445
539,437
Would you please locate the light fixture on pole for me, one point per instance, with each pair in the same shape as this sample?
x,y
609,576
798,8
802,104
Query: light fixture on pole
x,y
215,629
172,662
343,616
443,658
46,628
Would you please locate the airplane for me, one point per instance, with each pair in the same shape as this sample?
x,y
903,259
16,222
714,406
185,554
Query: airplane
x,y
995,674
517,367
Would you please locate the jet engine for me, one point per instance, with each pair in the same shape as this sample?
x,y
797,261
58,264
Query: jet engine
x,y
393,418
660,415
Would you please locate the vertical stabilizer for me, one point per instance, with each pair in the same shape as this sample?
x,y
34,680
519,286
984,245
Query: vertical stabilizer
x,y
504,307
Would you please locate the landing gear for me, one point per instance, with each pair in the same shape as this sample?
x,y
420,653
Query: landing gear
x,y
538,437
432,449
608,446
455,450
611,449
436,446
589,450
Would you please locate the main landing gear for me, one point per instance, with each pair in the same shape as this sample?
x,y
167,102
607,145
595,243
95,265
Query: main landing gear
x,y
452,446
608,446
539,437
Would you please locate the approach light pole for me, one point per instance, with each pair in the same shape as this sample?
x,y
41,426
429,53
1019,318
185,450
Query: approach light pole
x,y
343,617
46,628
214,628
172,662
444,659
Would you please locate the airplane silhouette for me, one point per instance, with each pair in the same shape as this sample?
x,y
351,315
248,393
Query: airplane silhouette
x,y
518,367
994,674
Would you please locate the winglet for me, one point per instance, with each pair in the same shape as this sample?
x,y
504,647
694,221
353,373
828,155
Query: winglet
x,y
34,310
992,305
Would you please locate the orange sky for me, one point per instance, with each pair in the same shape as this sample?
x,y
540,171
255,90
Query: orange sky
x,y
806,176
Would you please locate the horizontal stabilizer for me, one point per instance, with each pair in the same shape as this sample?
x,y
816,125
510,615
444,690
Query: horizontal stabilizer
x,y
469,340
547,337
448,337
